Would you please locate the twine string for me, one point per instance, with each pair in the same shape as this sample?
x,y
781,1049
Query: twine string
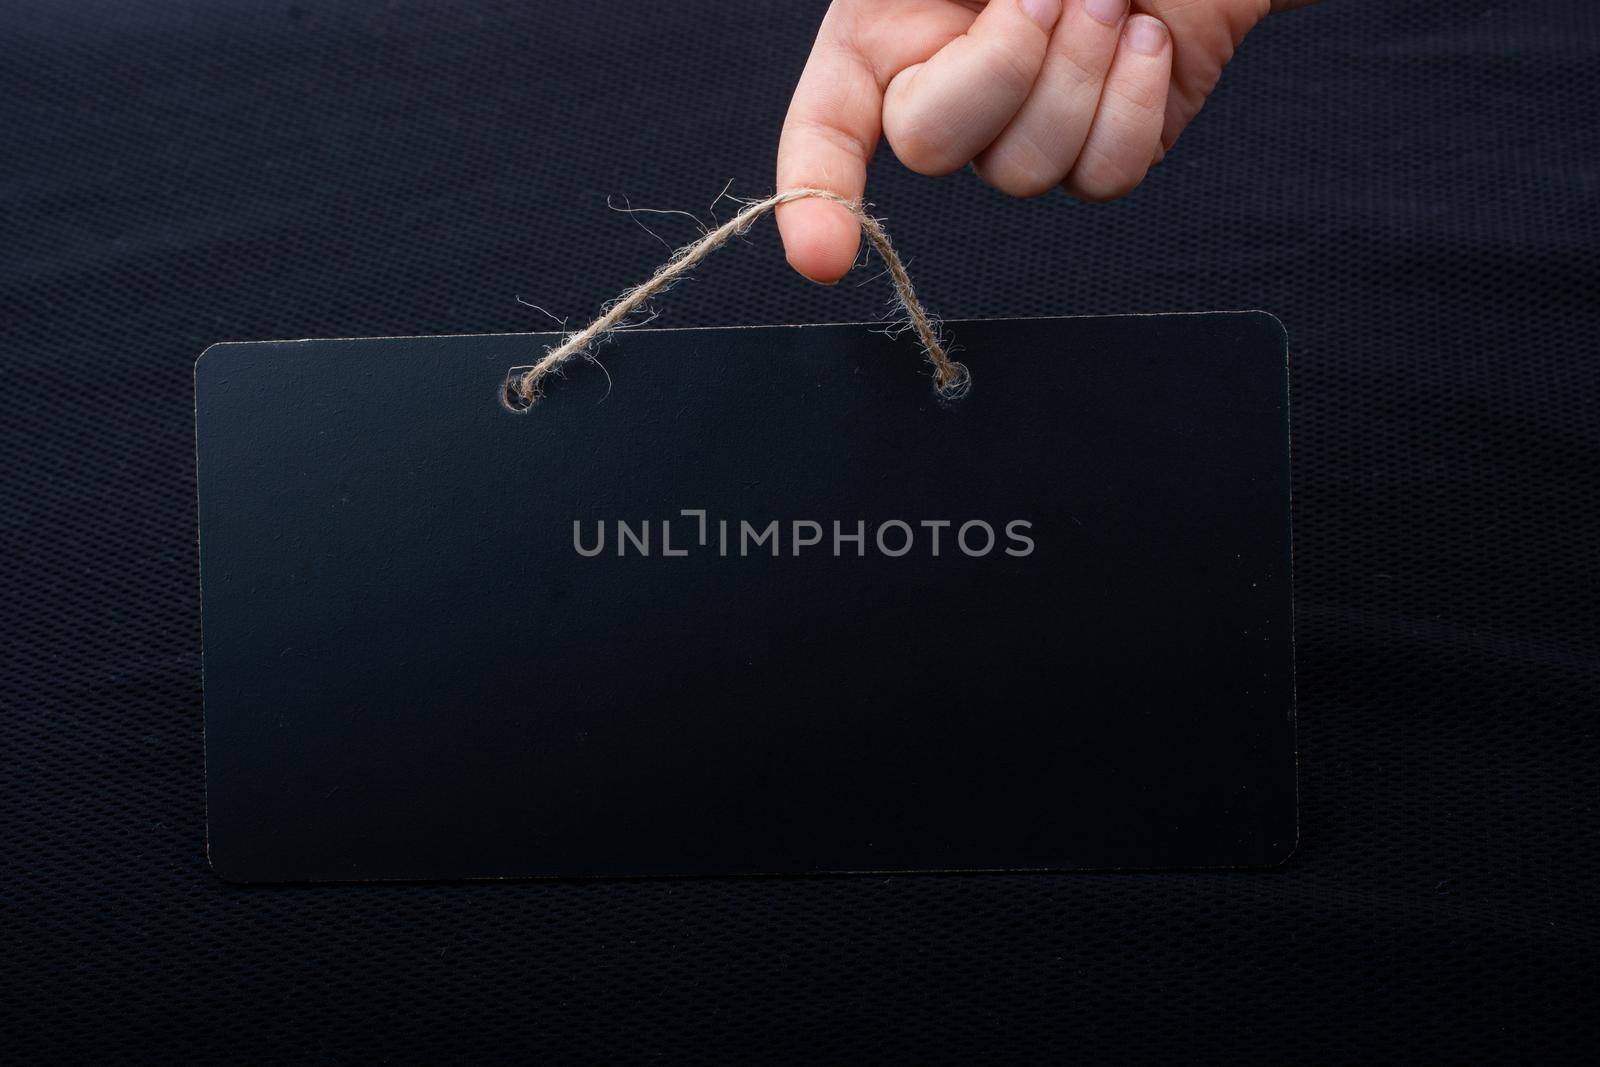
x,y
950,377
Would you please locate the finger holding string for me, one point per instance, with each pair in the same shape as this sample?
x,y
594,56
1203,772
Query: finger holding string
x,y
939,80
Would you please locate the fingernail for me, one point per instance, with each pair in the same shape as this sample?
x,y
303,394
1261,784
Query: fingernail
x,y
1044,12
1146,35
1106,11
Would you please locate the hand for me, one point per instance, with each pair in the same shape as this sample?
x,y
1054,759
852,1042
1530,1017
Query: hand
x,y
1033,93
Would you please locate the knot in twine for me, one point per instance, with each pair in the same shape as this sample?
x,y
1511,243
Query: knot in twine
x,y
950,378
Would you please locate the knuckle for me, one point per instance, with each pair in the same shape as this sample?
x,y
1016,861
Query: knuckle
x,y
837,137
1139,95
921,146
1097,178
1021,178
1088,194
1012,72
1081,63
1015,183
1078,69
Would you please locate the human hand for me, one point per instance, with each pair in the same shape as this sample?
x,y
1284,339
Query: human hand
x,y
1084,94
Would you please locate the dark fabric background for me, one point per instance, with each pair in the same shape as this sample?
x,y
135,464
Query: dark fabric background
x,y
1413,188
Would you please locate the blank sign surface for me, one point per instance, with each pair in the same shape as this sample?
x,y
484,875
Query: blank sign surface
x,y
759,602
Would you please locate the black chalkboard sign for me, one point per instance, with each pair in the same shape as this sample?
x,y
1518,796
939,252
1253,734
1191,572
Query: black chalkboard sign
x,y
756,601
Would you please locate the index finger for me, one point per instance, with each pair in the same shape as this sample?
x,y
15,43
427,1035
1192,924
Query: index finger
x,y
829,135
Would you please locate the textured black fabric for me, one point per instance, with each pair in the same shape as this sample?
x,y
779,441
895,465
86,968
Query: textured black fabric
x,y
1412,188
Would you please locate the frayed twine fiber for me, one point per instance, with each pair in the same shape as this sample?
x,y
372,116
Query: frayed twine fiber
x,y
949,377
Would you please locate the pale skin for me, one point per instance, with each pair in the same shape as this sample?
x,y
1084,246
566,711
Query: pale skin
x,y
1085,95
